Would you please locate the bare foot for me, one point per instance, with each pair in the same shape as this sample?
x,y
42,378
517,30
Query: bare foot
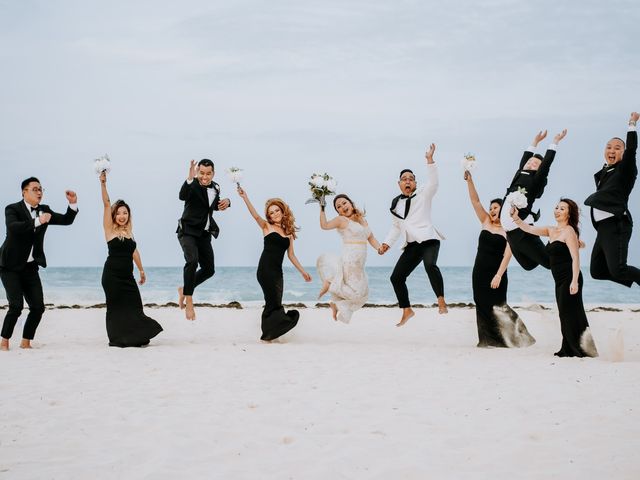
x,y
181,298
407,313
4,345
334,311
26,344
190,312
442,306
324,289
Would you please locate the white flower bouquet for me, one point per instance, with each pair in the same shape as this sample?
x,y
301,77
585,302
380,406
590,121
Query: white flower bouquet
x,y
235,175
321,186
469,162
102,164
518,199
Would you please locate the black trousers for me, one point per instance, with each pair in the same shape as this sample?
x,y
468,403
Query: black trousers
x,y
19,286
197,252
414,253
528,249
610,250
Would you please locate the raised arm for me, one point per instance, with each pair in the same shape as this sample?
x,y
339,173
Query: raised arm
x,y
528,153
296,263
525,227
262,223
337,222
629,166
549,156
107,223
481,213
185,190
432,178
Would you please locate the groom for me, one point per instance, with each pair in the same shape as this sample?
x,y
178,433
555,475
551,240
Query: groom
x,y
22,253
201,196
412,221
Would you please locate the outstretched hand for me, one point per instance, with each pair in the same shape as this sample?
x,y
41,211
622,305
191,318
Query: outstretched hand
x,y
541,135
560,136
193,170
634,117
430,152
71,196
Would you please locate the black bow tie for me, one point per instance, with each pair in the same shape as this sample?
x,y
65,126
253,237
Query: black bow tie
x,y
407,196
34,209
208,186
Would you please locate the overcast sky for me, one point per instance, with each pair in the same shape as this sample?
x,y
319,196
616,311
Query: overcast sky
x,y
283,89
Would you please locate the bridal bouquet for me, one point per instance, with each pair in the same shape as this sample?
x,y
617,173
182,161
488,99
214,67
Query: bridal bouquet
x,y
321,186
518,199
235,175
469,162
102,164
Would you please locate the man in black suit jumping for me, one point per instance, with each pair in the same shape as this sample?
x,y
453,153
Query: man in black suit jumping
x,y
610,213
196,227
22,253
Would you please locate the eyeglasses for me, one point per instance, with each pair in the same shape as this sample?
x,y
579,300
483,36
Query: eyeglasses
x,y
35,189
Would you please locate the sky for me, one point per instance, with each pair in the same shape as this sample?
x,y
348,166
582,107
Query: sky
x,y
283,89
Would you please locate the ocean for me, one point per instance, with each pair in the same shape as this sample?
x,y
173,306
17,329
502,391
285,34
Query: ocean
x,y
81,286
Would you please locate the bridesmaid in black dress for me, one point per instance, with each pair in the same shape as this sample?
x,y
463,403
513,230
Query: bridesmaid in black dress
x,y
279,232
127,325
563,250
498,324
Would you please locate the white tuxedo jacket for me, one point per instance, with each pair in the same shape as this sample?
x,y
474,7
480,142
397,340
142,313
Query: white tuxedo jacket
x,y
417,227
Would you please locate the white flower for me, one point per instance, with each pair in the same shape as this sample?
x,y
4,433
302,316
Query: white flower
x,y
332,184
517,199
317,181
469,162
235,174
102,164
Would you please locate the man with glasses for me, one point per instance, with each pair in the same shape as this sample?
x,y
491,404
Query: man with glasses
x,y
22,253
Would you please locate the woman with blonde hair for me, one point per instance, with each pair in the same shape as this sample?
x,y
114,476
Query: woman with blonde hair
x,y
279,231
344,277
127,325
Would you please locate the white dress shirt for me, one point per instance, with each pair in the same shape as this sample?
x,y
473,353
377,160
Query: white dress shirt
x,y
418,226
211,195
36,222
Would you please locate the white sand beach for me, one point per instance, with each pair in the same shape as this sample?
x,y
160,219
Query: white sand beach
x,y
331,401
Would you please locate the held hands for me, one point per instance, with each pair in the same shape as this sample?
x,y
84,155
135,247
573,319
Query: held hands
x,y
143,278
541,135
560,136
193,170
71,196
224,204
383,249
306,276
430,152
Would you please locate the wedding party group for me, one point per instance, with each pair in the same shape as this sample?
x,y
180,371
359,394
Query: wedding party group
x,y
507,229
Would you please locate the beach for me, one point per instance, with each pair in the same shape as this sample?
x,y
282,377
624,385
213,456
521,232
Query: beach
x,y
365,400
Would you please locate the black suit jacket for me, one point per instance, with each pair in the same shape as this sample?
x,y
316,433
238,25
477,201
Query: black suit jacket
x,y
614,183
22,235
533,181
197,210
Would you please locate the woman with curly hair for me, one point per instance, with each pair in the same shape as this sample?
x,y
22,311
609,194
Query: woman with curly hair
x,y
279,231
127,325
564,256
344,277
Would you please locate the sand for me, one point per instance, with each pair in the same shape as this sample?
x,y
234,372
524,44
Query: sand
x,y
332,401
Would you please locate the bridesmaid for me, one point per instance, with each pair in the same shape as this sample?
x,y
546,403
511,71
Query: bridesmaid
x,y
498,324
279,232
127,325
345,277
563,252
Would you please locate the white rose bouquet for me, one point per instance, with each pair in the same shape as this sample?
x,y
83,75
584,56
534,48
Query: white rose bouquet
x,y
102,164
235,175
321,186
469,162
518,199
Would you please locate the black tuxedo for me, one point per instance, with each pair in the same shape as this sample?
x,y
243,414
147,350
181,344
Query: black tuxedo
x,y
20,277
194,239
613,187
528,249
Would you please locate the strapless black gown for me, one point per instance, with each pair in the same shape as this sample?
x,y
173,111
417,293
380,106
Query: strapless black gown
x,y
498,324
275,321
127,325
576,335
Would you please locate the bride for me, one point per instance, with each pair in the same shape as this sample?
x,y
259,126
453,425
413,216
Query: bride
x,y
344,277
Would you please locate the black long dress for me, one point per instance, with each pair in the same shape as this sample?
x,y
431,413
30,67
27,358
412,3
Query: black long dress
x,y
498,324
576,335
127,325
275,321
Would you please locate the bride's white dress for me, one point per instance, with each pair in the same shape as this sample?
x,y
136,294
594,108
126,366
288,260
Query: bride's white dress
x,y
349,285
